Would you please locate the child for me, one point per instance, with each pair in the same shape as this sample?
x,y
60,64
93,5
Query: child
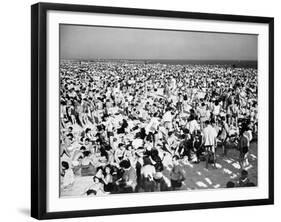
x,y
230,184
243,180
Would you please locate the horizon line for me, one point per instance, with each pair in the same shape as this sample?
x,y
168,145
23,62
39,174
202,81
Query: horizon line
x,y
236,60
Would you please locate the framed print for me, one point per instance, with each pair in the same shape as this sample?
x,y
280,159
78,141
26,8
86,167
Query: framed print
x,y
137,110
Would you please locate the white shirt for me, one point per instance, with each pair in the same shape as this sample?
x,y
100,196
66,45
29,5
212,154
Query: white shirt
x,y
167,117
216,110
148,171
192,126
153,124
248,135
186,106
209,135
137,143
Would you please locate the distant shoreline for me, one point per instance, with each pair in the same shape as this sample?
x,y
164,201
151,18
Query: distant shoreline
x,y
234,63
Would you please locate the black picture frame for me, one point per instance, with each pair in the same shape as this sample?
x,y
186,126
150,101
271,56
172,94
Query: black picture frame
x,y
39,109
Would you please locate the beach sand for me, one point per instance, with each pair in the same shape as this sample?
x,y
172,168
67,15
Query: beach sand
x,y
197,176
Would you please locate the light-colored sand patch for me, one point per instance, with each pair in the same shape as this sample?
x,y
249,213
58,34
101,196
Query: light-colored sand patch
x,y
248,167
227,160
253,156
217,186
208,181
227,171
189,164
236,165
219,166
233,176
201,184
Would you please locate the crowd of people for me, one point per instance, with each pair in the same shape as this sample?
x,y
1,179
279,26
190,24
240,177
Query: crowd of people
x,y
124,123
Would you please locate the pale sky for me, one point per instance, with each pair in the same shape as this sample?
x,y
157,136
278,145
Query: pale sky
x,y
90,42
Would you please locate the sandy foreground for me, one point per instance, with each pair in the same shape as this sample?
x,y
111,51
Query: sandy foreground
x,y
197,176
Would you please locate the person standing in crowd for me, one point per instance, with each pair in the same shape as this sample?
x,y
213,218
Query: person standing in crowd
x,y
244,144
209,142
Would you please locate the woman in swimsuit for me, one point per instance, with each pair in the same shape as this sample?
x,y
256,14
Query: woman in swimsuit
x,y
88,167
119,153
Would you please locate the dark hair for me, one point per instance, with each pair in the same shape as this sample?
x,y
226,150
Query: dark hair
x,y
99,168
125,164
191,118
170,133
65,165
99,127
230,184
63,103
83,148
244,173
120,145
70,134
89,192
95,177
154,152
86,153
185,131
149,137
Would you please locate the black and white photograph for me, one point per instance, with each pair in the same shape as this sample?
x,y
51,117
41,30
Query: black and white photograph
x,y
155,110
140,110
